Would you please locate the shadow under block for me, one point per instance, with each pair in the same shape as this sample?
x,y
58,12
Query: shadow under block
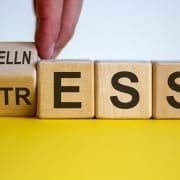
x,y
17,90
18,53
166,90
123,90
65,89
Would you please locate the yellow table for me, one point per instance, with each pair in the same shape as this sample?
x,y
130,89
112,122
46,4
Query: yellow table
x,y
32,149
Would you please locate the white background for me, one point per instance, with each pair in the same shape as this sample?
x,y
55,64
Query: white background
x,y
107,29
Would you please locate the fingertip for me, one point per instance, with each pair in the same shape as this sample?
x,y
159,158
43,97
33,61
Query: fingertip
x,y
46,35
45,52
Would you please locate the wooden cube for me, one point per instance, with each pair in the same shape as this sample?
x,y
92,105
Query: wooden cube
x,y
18,53
65,89
17,90
123,90
166,90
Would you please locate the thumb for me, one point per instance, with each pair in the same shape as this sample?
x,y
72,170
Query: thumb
x,y
48,25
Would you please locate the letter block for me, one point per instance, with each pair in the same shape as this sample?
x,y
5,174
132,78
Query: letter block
x,y
17,90
166,90
18,53
123,90
65,89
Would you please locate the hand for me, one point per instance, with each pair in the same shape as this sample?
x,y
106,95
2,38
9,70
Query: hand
x,y
56,22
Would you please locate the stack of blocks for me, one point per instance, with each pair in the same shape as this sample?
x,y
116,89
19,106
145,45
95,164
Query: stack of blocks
x,y
84,89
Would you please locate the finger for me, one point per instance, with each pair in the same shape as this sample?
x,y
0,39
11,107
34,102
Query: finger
x,y
70,16
48,25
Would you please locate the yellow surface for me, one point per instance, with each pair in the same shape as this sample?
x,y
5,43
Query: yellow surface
x,y
32,149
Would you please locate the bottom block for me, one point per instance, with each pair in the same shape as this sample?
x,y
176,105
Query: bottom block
x,y
166,89
65,89
123,90
17,90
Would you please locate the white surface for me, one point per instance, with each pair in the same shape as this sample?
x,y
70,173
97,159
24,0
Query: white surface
x,y
108,29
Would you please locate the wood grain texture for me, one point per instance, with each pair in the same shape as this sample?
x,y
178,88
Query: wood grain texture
x,y
18,53
49,101
104,90
17,90
162,109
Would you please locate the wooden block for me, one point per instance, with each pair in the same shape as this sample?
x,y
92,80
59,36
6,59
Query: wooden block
x,y
18,53
123,90
17,90
65,89
166,90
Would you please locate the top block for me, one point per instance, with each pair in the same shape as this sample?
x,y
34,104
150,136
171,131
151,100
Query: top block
x,y
18,53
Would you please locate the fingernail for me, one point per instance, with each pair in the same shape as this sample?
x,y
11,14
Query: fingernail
x,y
56,52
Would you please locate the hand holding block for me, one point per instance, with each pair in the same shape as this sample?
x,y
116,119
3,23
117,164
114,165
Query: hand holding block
x,y
65,89
18,53
123,90
166,90
17,90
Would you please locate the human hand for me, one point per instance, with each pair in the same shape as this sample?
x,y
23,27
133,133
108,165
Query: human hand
x,y
56,22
